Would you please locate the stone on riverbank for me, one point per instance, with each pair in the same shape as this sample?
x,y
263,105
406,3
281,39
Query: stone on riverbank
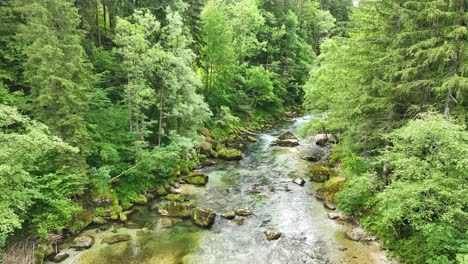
x,y
330,188
243,212
59,257
324,139
141,200
229,215
175,209
272,235
82,242
329,205
287,139
251,139
229,154
334,216
355,234
116,239
319,173
196,179
314,155
203,217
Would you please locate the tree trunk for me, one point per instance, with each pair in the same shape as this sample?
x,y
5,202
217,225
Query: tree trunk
x,y
161,116
98,29
448,98
104,13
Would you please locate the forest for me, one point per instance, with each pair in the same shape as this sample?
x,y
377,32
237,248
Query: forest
x,y
102,100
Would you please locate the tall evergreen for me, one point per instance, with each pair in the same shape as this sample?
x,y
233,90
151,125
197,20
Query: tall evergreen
x,y
57,70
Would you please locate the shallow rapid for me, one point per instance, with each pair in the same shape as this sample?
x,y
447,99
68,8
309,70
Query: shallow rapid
x,y
262,182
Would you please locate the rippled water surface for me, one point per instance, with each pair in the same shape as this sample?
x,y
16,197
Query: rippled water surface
x,y
261,182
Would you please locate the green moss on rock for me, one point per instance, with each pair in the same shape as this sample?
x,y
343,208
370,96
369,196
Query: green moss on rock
x,y
319,173
229,154
330,188
196,179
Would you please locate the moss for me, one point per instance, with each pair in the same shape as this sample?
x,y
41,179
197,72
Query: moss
x,y
161,191
176,209
251,139
123,217
319,173
229,154
81,220
330,188
196,179
141,200
175,197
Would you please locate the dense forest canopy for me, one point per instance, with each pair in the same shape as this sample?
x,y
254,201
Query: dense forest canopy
x,y
101,100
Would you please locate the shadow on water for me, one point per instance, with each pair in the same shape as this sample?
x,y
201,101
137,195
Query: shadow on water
x,y
261,182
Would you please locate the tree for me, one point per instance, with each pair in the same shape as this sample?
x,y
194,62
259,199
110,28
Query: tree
x,y
181,108
57,71
139,52
218,57
36,188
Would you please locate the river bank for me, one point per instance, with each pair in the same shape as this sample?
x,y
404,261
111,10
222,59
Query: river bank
x,y
261,181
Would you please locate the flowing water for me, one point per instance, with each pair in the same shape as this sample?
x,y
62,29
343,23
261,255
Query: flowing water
x,y
261,182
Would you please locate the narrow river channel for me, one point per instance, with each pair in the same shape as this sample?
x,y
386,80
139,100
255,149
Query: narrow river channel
x,y
261,182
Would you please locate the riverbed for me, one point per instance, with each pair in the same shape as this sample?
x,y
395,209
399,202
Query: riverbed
x,y
262,182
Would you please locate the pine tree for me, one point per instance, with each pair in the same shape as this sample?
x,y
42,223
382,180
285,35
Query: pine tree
x,y
56,70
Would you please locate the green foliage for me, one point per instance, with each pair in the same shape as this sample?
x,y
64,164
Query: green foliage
x,y
36,188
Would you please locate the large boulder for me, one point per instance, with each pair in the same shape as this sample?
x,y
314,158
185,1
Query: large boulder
x,y
116,239
229,154
355,234
314,155
319,173
203,217
287,135
82,242
272,235
175,209
196,179
330,188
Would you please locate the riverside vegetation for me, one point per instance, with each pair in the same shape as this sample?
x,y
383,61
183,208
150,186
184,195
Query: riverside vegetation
x,y
108,104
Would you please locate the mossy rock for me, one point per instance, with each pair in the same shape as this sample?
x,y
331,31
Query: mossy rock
x,y
141,200
196,179
230,154
203,217
116,239
114,217
99,220
175,197
161,191
330,188
251,139
42,251
320,173
175,209
81,220
123,217
150,196
206,148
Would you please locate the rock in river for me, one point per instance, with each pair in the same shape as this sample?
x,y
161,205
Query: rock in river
x,y
243,212
334,216
228,215
82,242
272,235
230,154
329,205
176,209
355,234
299,181
203,217
196,179
61,256
286,139
116,239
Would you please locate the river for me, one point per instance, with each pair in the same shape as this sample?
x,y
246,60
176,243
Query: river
x,y
261,182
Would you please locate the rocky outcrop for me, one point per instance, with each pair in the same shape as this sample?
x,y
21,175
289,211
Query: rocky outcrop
x,y
203,217
272,235
229,154
196,179
82,242
116,239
